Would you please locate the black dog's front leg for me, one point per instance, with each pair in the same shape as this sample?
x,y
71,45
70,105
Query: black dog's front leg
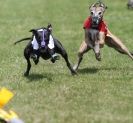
x,y
36,52
65,56
37,60
59,49
27,52
28,67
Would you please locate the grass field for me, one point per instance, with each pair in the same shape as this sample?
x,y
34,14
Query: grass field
x,y
102,92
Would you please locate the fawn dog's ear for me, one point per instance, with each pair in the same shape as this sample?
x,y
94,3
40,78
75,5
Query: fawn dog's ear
x,y
100,4
92,5
103,5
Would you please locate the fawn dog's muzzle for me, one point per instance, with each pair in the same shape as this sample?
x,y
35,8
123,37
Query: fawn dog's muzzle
x,y
96,20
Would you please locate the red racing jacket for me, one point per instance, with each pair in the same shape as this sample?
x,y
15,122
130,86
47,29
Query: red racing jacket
x,y
102,27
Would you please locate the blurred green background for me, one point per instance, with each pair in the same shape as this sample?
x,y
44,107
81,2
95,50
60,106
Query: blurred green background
x,y
102,92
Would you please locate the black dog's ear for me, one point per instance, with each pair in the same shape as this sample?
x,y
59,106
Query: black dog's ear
x,y
49,28
33,31
49,25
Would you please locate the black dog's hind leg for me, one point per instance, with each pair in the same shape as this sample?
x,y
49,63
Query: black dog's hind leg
x,y
59,49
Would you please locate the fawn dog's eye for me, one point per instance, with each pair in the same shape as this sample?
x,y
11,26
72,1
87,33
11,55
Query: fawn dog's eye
x,y
91,13
100,13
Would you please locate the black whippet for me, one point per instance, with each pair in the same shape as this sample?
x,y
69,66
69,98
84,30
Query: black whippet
x,y
43,51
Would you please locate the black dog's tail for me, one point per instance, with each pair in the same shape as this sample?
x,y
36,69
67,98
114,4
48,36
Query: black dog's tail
x,y
29,38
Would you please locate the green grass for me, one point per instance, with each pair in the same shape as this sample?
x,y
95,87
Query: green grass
x,y
101,93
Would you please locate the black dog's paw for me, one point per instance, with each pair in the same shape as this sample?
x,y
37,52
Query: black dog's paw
x,y
26,74
75,67
36,62
73,72
53,60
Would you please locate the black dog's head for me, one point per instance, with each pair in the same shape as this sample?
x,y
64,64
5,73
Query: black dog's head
x,y
42,35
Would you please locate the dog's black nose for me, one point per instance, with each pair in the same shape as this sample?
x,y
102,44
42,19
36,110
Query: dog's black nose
x,y
95,20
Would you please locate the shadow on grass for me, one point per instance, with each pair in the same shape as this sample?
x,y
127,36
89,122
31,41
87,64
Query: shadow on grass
x,y
94,70
36,76
88,70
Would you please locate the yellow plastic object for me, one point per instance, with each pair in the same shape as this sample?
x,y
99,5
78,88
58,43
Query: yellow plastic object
x,y
7,116
5,96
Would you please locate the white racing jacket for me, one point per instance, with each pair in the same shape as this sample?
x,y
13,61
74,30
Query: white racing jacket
x,y
36,45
